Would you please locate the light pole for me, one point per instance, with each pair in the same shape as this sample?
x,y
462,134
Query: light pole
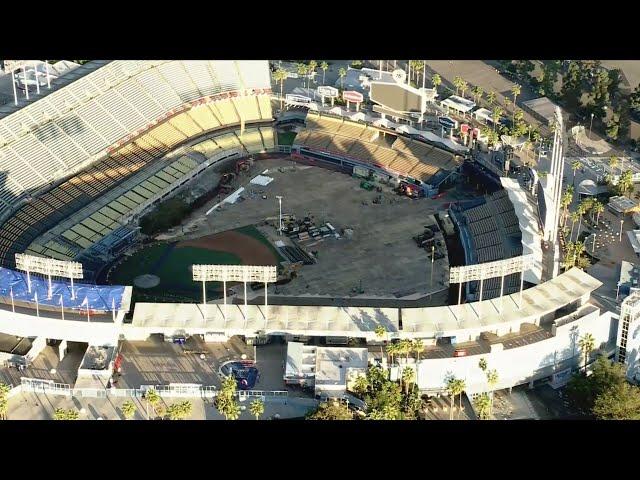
x,y
590,125
279,214
621,222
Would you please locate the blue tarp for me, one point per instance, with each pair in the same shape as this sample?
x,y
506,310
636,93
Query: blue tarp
x,y
92,297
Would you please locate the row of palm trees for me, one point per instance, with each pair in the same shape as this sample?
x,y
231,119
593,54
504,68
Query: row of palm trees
x,y
483,403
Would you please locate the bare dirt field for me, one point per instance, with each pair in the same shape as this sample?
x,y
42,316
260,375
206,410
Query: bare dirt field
x,y
381,259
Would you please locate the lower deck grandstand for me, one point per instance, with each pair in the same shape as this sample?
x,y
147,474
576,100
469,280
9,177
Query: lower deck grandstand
x,y
489,230
397,155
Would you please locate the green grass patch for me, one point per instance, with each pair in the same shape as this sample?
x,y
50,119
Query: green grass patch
x,y
286,138
139,263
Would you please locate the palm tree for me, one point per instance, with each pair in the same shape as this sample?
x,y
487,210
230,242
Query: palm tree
x,y
495,115
452,391
565,201
256,408
462,385
152,398
436,80
180,411
455,387
457,82
312,68
406,346
380,332
342,73
324,66
302,71
598,208
417,346
575,165
477,93
482,364
408,376
482,404
129,409
625,183
463,87
281,75
492,381
582,209
613,162
62,414
578,250
575,216
491,98
515,90
587,344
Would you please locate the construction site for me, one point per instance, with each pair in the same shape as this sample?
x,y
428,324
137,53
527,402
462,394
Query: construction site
x,y
366,237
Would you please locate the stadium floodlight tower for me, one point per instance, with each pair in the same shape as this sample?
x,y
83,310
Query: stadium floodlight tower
x,y
235,273
628,338
50,267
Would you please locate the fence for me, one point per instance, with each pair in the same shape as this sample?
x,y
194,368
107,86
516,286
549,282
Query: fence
x,y
49,387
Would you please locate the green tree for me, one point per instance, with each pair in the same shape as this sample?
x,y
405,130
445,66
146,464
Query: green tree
x,y
129,409
324,66
302,71
62,414
331,410
408,377
361,386
342,73
625,182
454,387
257,408
312,68
618,402
578,250
457,82
575,216
226,401
492,381
613,162
436,80
179,411
582,390
491,98
380,332
477,93
152,398
597,208
463,87
482,364
393,349
575,165
495,115
4,400
482,404
515,91
565,201
281,75
417,346
586,344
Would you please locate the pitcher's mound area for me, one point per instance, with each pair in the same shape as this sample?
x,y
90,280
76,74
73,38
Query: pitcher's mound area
x,y
146,281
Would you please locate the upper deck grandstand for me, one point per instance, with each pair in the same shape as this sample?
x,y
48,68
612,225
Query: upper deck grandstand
x,y
69,150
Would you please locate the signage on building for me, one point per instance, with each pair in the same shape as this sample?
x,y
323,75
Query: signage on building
x,y
448,122
352,96
325,91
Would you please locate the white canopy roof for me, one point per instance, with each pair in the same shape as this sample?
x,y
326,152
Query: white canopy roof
x,y
459,104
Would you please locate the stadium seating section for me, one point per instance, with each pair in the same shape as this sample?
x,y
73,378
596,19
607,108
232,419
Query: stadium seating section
x,y
135,111
494,231
367,144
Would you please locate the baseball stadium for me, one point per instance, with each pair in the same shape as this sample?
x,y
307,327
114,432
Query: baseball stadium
x,y
143,173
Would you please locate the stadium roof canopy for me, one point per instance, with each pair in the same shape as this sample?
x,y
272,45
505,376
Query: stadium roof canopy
x,y
473,318
527,214
355,321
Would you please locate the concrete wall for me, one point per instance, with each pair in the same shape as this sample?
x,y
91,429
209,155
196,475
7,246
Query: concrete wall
x,y
524,364
22,325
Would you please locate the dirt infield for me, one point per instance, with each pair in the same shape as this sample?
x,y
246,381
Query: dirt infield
x,y
248,249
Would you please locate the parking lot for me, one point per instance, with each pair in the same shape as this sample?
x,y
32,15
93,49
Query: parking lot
x,y
380,259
